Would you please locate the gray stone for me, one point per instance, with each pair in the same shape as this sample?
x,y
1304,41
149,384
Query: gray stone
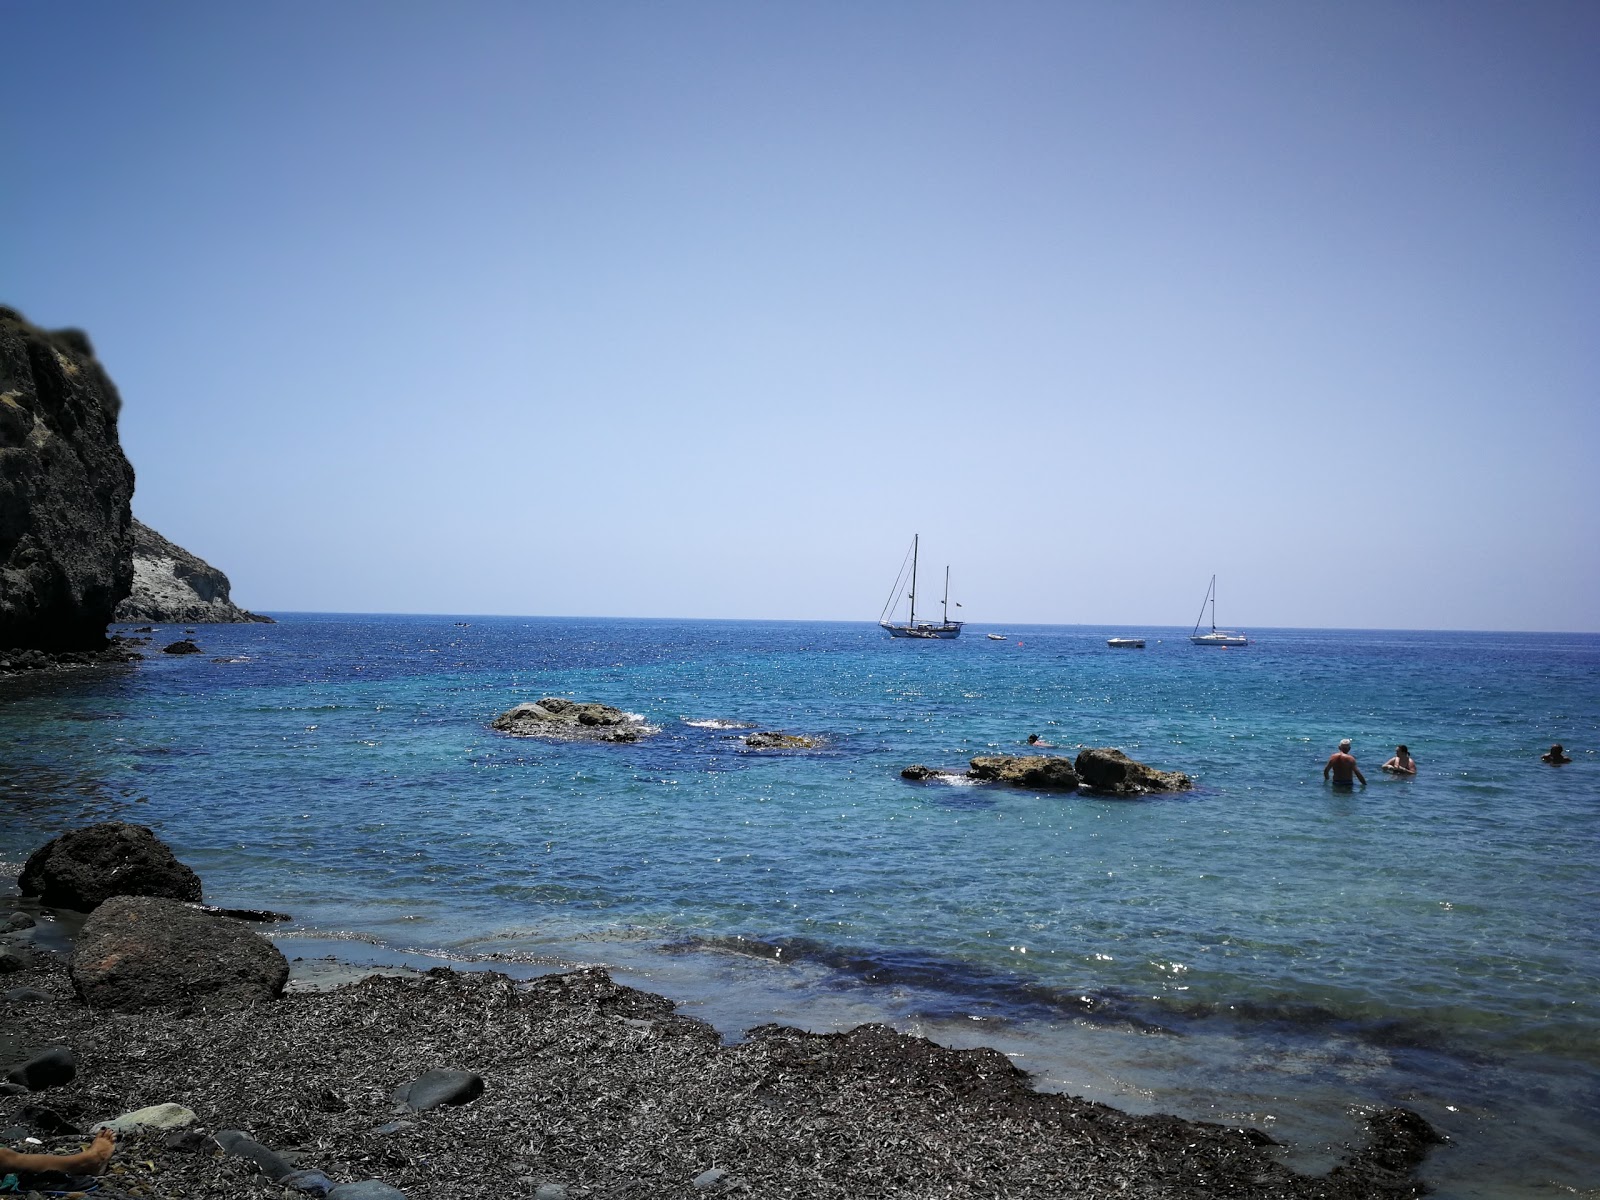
x,y
707,1180
25,995
366,1189
85,867
312,1183
16,921
11,961
437,1087
551,1191
50,1069
156,1117
139,952
271,1164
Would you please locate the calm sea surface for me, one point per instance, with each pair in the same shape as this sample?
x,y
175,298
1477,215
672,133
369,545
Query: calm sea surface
x,y
1263,949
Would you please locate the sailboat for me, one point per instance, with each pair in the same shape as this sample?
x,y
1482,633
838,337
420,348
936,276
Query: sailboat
x,y
1217,637
912,628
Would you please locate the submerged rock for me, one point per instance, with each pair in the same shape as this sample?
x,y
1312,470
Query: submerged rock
x,y
570,720
918,773
766,740
1112,773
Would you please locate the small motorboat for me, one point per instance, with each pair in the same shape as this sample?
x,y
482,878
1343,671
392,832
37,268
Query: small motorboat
x,y
997,637
1126,643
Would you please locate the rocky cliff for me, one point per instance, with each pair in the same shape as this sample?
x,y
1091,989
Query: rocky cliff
x,y
171,585
65,487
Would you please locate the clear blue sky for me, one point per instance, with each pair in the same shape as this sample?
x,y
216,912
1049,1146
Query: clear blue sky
x,y
702,309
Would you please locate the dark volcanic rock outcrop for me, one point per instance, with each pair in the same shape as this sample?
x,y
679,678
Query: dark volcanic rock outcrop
x,y
65,487
84,868
171,585
569,720
1113,773
138,952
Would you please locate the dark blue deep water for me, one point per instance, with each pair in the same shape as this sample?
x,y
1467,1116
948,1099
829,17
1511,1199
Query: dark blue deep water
x,y
1263,949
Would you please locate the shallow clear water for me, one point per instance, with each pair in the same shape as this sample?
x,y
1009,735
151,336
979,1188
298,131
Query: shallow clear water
x,y
1261,949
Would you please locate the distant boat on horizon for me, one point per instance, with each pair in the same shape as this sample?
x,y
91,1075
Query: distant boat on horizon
x,y
942,630
1126,643
1217,637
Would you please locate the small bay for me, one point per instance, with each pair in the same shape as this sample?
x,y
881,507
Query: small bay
x,y
1261,950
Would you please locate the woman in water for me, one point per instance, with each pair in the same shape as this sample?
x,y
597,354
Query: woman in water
x,y
1402,763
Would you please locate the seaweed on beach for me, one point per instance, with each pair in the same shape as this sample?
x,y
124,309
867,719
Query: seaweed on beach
x,y
608,1092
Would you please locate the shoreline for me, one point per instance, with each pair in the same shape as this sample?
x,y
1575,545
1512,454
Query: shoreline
x,y
605,1090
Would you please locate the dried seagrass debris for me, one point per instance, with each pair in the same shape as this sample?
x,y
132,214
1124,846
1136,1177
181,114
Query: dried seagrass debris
x,y
604,1091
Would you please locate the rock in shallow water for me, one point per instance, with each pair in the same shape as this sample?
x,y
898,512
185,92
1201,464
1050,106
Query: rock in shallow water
x,y
83,868
569,720
1043,772
1113,773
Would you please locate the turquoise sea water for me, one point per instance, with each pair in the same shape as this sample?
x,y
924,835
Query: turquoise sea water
x,y
1263,949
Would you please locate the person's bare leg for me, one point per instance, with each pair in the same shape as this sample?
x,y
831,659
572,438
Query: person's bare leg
x,y
90,1162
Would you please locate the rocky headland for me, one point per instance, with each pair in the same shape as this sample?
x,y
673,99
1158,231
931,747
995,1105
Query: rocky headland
x,y
66,558
453,1085
72,558
172,586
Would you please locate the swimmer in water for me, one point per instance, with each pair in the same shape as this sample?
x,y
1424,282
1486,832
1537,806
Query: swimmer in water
x,y
1402,763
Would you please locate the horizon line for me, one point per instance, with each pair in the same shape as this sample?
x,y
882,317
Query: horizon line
x,y
986,625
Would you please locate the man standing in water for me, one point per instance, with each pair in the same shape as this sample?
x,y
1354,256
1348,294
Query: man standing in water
x,y
1343,766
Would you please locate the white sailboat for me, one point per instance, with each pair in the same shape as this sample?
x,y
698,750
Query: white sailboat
x,y
912,628
1217,637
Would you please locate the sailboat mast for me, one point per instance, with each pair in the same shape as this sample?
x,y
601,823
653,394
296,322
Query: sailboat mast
x,y
947,595
1213,604
913,620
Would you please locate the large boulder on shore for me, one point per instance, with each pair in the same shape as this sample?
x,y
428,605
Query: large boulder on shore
x,y
139,952
172,586
1111,772
1043,772
65,488
85,867
570,720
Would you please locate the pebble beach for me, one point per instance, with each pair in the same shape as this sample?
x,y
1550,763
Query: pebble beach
x,y
592,1089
